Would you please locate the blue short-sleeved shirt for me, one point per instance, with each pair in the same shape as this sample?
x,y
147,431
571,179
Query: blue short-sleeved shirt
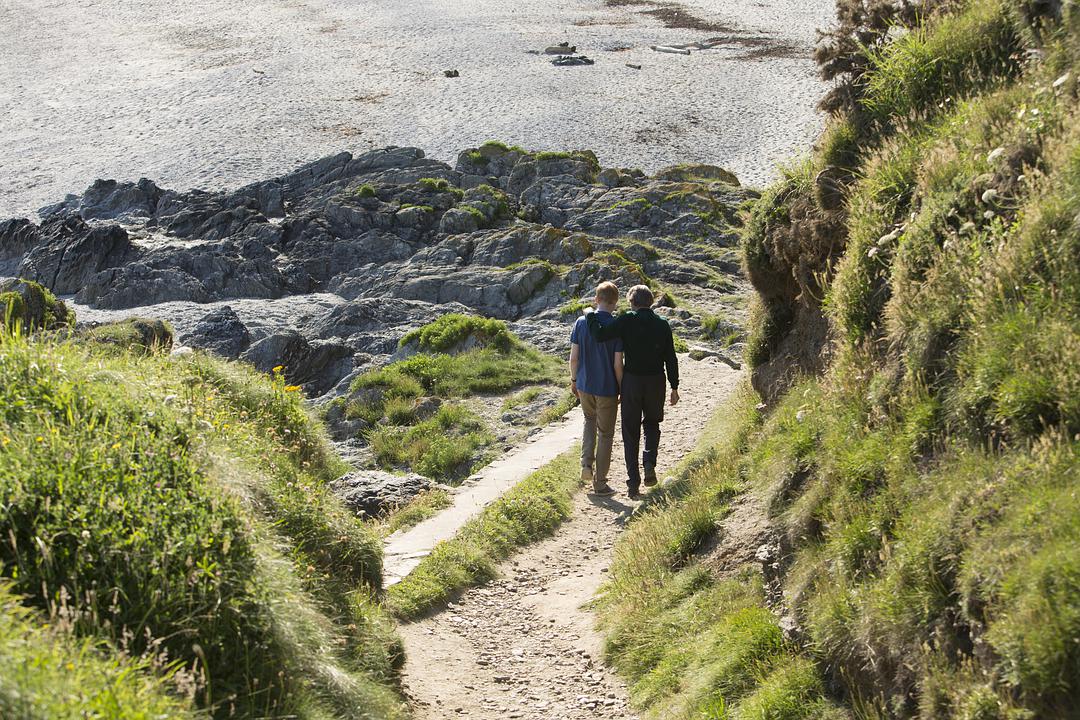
x,y
596,371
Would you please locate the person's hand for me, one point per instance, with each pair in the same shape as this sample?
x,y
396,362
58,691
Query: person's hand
x,y
674,398
573,389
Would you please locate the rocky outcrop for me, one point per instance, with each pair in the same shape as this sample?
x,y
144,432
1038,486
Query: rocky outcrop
x,y
70,253
373,492
221,332
322,270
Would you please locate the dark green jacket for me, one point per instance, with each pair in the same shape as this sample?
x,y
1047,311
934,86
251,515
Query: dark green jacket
x,y
647,342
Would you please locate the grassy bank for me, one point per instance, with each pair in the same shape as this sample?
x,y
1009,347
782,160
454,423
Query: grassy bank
x,y
532,510
693,642
174,510
916,338
412,411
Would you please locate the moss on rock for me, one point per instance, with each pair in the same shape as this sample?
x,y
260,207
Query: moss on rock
x,y
31,306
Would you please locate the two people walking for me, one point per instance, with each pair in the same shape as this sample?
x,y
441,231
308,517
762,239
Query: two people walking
x,y
626,362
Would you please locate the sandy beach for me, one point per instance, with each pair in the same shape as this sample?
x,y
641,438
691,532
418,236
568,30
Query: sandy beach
x,y
213,94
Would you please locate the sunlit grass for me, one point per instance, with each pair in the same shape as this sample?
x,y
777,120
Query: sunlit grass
x,y
531,510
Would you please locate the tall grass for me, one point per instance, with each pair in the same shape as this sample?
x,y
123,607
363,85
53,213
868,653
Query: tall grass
x,y
51,675
176,509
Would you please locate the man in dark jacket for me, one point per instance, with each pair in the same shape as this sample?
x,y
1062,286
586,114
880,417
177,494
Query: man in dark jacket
x,y
648,347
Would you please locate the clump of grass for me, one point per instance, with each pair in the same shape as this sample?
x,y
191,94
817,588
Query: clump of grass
x,y
565,404
30,306
498,145
691,644
638,204
909,77
586,156
574,308
51,675
441,447
473,372
420,508
365,191
134,334
533,509
434,184
524,397
454,329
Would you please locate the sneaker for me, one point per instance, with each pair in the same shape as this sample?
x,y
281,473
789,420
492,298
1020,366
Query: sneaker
x,y
586,475
650,476
604,490
634,494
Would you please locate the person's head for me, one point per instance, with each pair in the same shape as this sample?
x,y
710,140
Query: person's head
x,y
639,297
607,295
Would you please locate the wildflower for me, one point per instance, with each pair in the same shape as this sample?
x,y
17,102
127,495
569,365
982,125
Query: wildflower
x,y
277,369
292,388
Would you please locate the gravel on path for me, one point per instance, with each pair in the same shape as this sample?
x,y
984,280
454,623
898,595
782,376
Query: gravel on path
x,y
524,645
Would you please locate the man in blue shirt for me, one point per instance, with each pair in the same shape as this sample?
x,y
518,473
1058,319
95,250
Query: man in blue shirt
x,y
595,377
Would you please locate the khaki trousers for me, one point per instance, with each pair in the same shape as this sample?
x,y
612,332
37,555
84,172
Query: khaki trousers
x,y
600,415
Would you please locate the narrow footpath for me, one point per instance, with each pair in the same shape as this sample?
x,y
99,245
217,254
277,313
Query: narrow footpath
x,y
525,645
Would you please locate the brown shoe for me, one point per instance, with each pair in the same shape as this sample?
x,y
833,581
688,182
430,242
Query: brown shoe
x,y
586,475
604,490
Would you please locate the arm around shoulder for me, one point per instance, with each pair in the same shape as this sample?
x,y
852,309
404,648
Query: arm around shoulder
x,y
603,333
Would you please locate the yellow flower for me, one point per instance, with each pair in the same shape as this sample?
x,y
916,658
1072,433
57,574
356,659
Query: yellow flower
x,y
292,388
277,369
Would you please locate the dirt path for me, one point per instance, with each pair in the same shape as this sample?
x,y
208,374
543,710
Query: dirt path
x,y
523,646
